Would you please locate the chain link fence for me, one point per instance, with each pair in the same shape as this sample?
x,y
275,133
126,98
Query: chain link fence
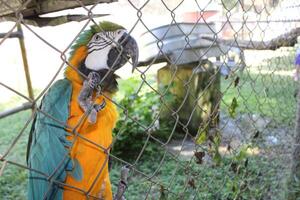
x,y
208,114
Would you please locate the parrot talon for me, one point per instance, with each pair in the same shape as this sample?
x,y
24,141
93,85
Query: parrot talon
x,y
93,116
94,110
93,80
85,97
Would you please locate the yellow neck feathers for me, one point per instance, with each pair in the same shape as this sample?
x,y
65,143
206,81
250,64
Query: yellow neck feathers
x,y
78,56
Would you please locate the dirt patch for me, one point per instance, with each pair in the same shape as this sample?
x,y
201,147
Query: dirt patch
x,y
261,131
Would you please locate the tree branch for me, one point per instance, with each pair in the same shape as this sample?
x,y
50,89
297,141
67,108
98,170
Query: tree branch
x,y
288,39
52,21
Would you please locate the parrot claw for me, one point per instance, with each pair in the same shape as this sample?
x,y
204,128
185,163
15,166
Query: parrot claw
x,y
93,80
85,97
92,116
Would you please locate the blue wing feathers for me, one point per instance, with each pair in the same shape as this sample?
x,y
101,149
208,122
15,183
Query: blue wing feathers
x,y
48,147
76,170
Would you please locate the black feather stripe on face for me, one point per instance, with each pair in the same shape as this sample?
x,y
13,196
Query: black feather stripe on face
x,y
83,69
117,57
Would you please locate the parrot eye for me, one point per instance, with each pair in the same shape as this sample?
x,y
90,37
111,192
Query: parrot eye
x,y
119,31
97,37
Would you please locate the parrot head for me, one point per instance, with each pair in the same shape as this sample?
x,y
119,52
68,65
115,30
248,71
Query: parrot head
x,y
103,48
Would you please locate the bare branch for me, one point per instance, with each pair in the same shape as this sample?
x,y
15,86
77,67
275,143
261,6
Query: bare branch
x,y
285,40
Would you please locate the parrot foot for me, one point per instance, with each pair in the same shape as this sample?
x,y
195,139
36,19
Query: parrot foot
x,y
94,111
93,80
93,116
85,97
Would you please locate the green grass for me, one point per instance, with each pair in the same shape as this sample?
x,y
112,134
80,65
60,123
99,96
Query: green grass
x,y
218,182
271,95
13,180
206,182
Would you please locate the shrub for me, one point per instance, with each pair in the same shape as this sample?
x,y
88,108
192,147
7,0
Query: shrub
x,y
132,129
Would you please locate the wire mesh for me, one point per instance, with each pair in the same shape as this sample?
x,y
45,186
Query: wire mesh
x,y
213,121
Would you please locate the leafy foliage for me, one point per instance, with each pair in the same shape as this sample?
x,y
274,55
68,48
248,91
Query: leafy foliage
x,y
139,120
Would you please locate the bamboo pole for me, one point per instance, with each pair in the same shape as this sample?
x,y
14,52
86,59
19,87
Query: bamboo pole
x,y
25,63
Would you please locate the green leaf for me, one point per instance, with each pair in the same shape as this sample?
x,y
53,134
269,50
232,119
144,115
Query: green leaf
x,y
217,140
242,154
236,81
163,193
202,137
217,158
232,108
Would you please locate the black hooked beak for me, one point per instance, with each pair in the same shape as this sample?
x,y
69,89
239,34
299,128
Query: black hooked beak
x,y
130,48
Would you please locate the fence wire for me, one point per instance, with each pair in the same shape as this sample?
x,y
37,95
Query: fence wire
x,y
212,112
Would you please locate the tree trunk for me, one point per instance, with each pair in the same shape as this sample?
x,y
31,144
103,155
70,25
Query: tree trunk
x,y
195,100
288,39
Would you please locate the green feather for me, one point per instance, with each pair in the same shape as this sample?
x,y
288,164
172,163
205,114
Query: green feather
x,y
106,26
87,35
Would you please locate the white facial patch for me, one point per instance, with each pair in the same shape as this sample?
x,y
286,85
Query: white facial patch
x,y
99,47
97,60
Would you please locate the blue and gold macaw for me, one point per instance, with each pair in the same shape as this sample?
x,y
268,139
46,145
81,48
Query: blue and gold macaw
x,y
68,156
